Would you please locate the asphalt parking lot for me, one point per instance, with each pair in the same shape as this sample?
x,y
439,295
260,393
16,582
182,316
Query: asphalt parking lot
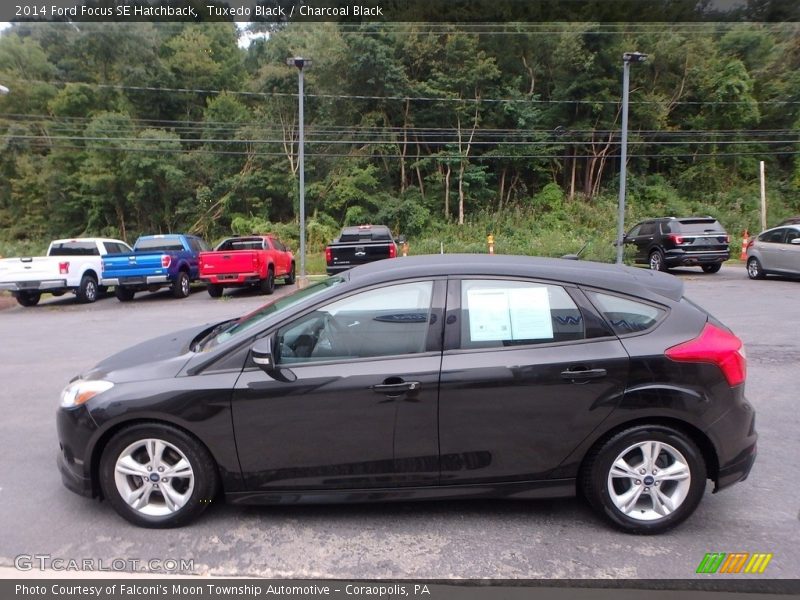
x,y
41,348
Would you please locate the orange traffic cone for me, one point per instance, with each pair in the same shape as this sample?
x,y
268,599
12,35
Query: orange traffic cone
x,y
745,239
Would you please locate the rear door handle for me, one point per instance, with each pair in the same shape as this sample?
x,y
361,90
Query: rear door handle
x,y
583,374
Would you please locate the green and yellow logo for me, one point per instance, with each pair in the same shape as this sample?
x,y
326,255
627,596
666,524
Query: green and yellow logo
x,y
734,562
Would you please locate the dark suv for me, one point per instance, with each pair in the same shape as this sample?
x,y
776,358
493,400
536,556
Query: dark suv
x,y
668,242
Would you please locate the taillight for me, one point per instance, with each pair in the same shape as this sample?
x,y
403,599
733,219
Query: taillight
x,y
328,255
716,346
392,251
63,268
255,262
166,261
728,239
678,239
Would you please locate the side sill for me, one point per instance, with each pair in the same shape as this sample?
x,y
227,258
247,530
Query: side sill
x,y
556,488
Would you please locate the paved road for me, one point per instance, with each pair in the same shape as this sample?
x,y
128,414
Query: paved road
x,y
41,348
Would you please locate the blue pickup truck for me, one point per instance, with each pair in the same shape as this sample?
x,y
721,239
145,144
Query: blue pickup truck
x,y
156,261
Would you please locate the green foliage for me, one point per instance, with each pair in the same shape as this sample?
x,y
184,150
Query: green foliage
x,y
129,128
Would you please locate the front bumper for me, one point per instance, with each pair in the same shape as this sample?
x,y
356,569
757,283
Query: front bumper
x,y
34,286
75,430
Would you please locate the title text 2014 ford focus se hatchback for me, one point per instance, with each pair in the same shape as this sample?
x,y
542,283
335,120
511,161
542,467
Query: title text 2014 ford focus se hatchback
x,y
425,378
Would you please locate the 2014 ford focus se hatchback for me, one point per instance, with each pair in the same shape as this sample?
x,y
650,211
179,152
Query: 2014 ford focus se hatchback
x,y
428,377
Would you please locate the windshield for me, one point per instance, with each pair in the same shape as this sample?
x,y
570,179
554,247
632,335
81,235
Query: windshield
x,y
233,329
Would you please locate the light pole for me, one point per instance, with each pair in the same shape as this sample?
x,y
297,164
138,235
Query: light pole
x,y
627,59
301,64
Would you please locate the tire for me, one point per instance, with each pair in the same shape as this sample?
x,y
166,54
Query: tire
x,y
57,294
656,261
291,277
181,287
607,485
267,285
215,290
87,291
754,268
124,294
712,268
28,298
163,501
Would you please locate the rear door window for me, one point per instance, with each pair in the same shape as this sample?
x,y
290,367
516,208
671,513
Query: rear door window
x,y
773,237
498,313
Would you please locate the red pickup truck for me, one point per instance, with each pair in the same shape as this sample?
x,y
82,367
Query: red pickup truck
x,y
251,260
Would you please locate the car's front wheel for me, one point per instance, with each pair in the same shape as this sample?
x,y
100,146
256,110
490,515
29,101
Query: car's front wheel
x,y
157,476
646,479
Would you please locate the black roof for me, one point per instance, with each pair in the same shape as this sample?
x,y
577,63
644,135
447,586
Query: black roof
x,y
629,280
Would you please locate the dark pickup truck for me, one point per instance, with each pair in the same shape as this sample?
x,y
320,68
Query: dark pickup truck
x,y
157,261
358,245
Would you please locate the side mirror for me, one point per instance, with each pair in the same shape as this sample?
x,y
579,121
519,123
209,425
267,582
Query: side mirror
x,y
795,241
264,358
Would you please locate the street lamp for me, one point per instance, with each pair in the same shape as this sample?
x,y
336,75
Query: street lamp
x,y
301,64
627,59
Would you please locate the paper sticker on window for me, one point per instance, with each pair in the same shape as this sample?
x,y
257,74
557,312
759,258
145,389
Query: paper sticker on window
x,y
489,315
510,314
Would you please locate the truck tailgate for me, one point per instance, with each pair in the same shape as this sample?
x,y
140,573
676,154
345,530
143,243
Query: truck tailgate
x,y
31,269
130,268
225,262
351,255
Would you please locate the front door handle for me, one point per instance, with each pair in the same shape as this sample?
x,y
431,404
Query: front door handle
x,y
395,389
583,374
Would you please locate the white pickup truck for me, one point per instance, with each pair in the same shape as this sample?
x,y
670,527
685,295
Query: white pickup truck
x,y
71,265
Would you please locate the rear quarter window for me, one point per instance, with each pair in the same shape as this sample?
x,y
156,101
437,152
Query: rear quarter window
x,y
626,315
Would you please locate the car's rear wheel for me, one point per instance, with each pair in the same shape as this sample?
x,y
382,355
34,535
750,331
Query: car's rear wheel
x,y
181,286
290,278
87,291
124,294
646,479
712,268
267,285
157,476
28,298
656,261
215,290
754,268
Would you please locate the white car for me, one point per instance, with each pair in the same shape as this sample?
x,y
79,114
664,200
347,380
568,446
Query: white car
x,y
775,251
71,265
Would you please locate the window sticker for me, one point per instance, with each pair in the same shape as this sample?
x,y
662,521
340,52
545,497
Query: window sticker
x,y
509,314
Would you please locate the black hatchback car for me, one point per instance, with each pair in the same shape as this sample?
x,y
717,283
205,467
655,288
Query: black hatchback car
x,y
425,378
669,242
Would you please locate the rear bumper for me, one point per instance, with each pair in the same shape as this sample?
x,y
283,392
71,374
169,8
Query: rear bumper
x,y
231,279
332,270
682,257
34,286
134,281
738,471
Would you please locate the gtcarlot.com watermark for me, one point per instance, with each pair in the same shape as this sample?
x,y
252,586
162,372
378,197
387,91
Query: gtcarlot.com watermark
x,y
48,562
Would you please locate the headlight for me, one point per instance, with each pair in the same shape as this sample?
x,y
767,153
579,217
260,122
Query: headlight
x,y
78,392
